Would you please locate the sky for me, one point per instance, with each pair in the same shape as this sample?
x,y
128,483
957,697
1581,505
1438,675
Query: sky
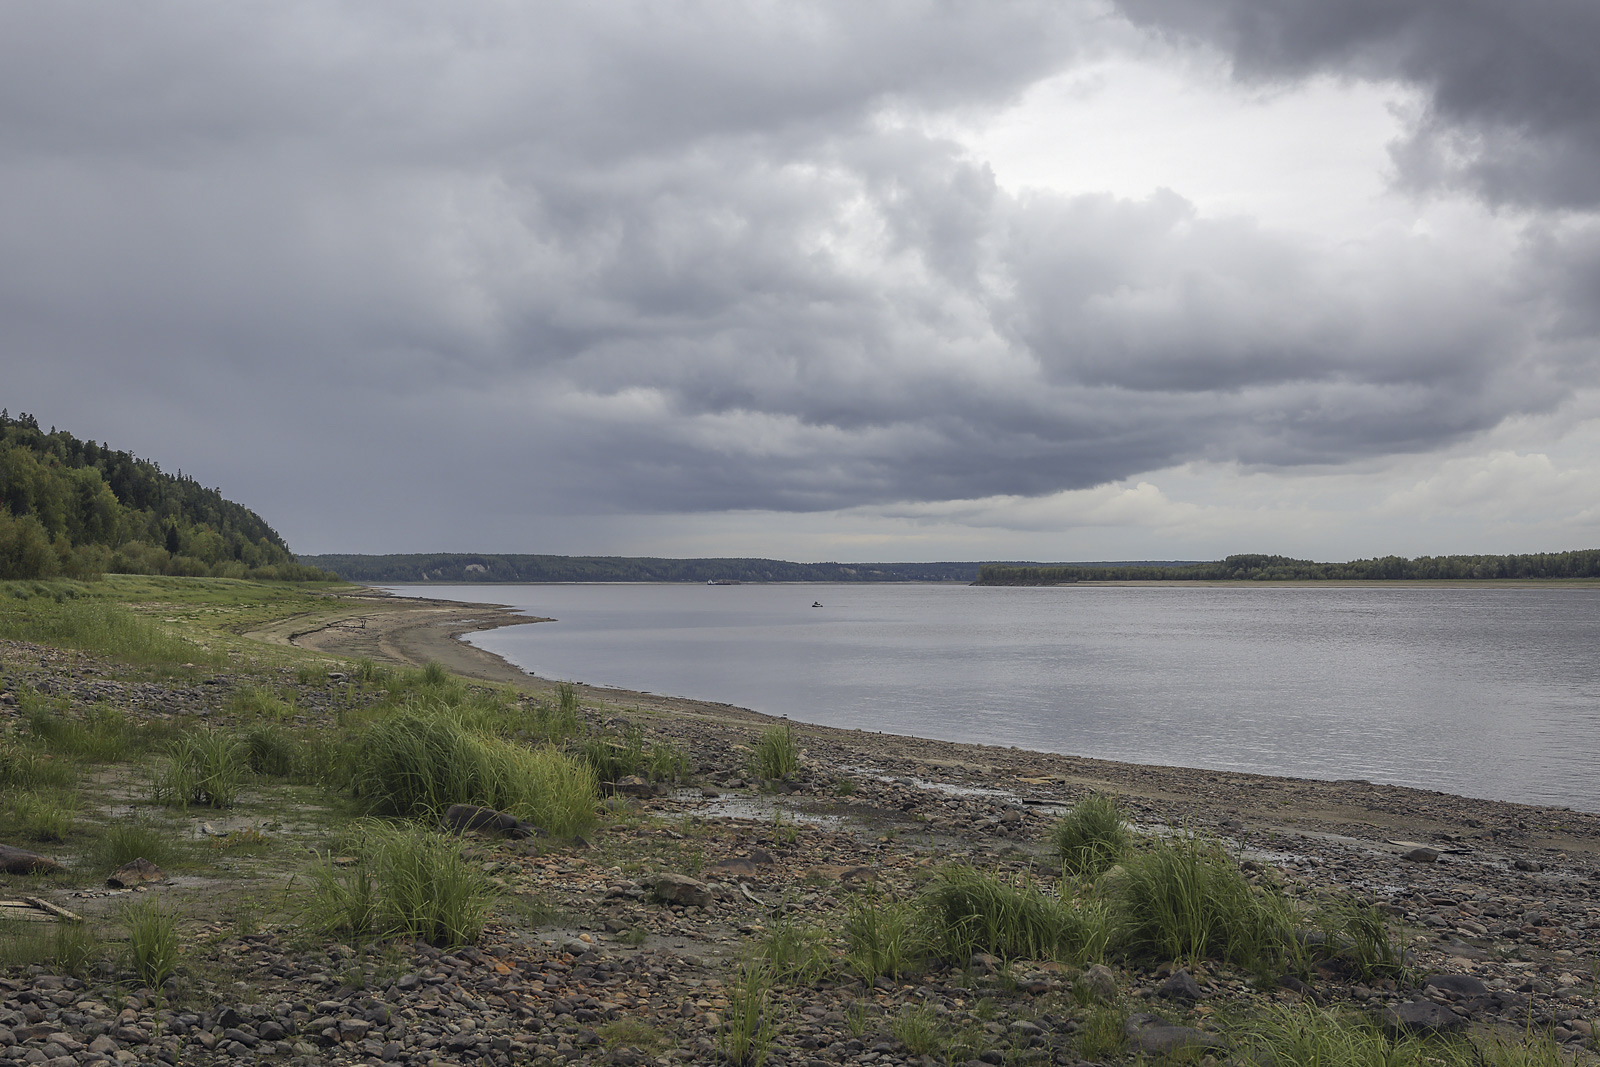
x,y
902,281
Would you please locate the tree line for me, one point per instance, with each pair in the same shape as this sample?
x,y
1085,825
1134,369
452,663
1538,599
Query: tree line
x,y
77,509
456,567
1262,568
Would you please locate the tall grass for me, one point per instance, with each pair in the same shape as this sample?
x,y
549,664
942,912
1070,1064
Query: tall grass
x,y
415,764
43,815
1092,837
63,948
26,767
102,627
1185,899
883,938
776,755
797,953
126,840
747,1029
100,735
1308,1036
970,911
406,882
152,941
206,769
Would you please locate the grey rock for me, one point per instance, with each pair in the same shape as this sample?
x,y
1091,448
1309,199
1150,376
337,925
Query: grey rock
x,y
1155,1036
1101,982
1461,984
681,889
1421,1017
1181,986
1422,855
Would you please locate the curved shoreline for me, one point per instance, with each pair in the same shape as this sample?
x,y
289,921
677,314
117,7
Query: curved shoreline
x,y
411,631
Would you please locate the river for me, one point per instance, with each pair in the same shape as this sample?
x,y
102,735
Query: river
x,y
1479,690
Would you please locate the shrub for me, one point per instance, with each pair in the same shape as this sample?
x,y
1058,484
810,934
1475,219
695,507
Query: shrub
x,y
406,882
1091,838
968,911
1186,899
776,755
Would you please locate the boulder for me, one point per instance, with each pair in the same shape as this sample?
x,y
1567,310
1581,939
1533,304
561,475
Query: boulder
x,y
1421,1017
1154,1036
20,861
1181,986
459,818
136,872
681,889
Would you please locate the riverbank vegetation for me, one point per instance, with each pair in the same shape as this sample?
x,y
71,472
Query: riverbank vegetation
x,y
1261,568
77,509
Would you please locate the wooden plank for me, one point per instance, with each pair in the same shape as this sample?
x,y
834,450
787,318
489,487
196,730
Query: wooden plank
x,y
54,909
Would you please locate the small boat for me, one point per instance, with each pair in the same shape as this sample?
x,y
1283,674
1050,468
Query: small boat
x,y
816,603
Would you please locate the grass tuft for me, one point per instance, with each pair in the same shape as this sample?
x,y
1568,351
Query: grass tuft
x,y
205,769
1185,899
747,1029
1091,838
152,941
883,938
969,911
415,764
776,756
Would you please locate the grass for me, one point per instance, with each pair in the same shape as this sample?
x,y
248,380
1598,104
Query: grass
x,y
42,816
405,882
100,735
270,750
1185,899
745,1036
62,948
100,626
417,762
969,911
1309,1036
883,938
27,767
205,769
1356,937
917,1028
126,840
1103,1034
634,1033
1091,838
250,702
152,941
776,756
797,954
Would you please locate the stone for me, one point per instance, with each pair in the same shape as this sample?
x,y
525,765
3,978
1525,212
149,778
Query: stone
x,y
1461,984
1100,982
20,861
135,873
681,889
1421,855
459,818
1154,1036
1420,1017
1181,986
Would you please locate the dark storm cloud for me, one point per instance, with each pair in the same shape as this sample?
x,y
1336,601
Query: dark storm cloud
x,y
502,261
1513,89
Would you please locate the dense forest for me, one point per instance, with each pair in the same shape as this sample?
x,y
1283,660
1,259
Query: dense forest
x,y
77,509
458,567
1259,568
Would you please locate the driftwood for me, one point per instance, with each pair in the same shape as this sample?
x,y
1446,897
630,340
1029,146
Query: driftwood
x,y
15,860
36,909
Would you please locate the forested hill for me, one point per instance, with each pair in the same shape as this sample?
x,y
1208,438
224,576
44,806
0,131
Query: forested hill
x,y
78,509
1581,564
459,567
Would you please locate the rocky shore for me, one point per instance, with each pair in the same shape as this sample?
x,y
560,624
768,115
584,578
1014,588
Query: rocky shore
x,y
624,948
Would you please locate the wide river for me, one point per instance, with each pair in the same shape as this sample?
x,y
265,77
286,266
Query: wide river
x,y
1478,690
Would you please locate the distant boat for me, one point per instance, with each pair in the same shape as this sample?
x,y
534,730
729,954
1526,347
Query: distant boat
x,y
816,603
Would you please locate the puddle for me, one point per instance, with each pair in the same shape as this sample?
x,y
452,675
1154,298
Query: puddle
x,y
758,809
933,787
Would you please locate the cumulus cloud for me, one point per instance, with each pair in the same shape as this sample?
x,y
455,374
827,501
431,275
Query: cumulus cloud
x,y
641,259
1513,92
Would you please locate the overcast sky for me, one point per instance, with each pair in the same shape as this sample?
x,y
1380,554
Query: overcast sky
x,y
1146,279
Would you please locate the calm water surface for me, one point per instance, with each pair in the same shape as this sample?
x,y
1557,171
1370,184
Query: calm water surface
x,y
1480,691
